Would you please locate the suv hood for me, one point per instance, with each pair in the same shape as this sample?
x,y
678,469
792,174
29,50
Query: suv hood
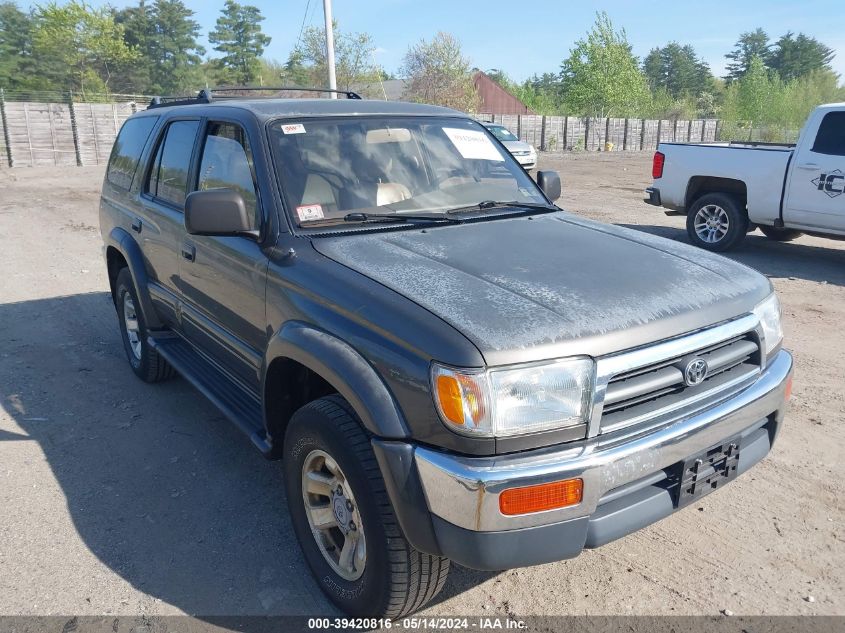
x,y
526,289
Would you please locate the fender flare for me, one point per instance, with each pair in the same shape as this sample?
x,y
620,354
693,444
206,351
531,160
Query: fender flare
x,y
121,240
343,368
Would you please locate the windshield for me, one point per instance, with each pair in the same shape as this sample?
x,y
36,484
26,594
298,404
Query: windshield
x,y
502,133
331,168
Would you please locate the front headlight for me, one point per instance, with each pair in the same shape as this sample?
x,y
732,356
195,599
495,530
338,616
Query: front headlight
x,y
769,313
515,401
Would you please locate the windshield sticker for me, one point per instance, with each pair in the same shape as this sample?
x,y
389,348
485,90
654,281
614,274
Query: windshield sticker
x,y
473,144
293,128
309,212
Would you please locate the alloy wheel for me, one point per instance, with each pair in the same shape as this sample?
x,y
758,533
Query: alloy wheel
x,y
711,223
333,515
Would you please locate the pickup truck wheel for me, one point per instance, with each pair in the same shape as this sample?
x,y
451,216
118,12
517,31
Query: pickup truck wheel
x,y
717,222
344,521
146,362
780,235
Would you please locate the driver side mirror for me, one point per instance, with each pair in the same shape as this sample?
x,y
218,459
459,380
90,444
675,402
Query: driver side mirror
x,y
217,212
549,183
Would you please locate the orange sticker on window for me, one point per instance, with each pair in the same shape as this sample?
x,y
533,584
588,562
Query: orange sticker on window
x,y
309,212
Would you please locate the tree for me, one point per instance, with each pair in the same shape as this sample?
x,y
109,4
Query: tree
x,y
15,45
602,77
793,57
238,36
354,63
750,45
174,54
437,72
77,46
137,30
756,91
678,70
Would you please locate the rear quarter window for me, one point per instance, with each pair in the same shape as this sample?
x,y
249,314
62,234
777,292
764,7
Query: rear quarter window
x,y
830,138
127,149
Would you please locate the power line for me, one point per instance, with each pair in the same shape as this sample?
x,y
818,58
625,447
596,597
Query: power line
x,y
302,27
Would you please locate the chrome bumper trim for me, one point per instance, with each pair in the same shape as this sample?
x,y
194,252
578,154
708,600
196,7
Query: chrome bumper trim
x,y
465,490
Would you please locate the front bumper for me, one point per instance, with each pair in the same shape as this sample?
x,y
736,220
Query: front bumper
x,y
528,161
627,482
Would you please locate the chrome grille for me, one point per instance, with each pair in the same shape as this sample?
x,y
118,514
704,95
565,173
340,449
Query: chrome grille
x,y
644,392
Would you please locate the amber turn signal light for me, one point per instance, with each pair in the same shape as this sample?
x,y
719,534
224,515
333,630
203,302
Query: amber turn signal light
x,y
788,390
558,494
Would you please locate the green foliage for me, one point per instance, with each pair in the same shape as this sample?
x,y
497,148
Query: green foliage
x,y
174,54
165,35
77,46
238,36
761,106
440,74
601,77
791,57
678,70
794,57
354,62
15,46
750,45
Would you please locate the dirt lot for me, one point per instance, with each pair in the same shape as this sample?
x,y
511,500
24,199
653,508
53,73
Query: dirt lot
x,y
118,497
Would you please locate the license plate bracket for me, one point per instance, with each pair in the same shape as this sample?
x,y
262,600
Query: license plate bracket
x,y
705,472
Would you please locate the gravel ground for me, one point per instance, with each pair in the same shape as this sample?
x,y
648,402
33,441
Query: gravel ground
x,y
118,497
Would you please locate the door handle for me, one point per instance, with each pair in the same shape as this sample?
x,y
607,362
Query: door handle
x,y
189,252
136,225
808,166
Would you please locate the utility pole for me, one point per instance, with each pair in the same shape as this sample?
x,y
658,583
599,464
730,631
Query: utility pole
x,y
327,11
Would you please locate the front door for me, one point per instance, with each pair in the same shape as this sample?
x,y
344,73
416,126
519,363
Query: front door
x,y
222,279
816,191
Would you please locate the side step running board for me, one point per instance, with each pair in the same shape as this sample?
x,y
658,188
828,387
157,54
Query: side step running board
x,y
236,403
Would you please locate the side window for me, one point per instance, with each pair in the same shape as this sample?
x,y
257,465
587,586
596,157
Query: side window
x,y
830,138
227,164
127,150
168,179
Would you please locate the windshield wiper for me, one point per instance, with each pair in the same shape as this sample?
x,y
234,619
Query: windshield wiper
x,y
498,204
382,217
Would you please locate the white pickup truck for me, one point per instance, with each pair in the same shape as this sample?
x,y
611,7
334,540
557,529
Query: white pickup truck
x,y
728,190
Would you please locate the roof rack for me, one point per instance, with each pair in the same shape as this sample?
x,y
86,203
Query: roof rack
x,y
210,95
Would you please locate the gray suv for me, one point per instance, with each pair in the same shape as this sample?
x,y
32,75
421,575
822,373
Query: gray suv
x,y
451,367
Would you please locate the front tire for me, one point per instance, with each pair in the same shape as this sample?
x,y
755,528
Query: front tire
x,y
780,235
145,361
717,222
344,521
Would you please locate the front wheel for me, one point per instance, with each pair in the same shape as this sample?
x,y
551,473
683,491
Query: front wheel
x,y
717,222
780,235
344,521
145,361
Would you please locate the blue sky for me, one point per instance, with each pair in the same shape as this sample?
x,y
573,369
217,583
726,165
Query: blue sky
x,y
524,38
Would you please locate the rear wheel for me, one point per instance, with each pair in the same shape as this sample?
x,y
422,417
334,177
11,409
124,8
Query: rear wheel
x,y
145,361
780,235
344,521
717,222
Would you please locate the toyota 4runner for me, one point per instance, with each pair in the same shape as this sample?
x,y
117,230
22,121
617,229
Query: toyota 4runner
x,y
451,367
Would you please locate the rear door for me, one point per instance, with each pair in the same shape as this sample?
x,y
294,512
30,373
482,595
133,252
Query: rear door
x,y
161,225
222,279
816,191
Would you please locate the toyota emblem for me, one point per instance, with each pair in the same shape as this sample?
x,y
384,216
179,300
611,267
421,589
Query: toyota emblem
x,y
695,372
